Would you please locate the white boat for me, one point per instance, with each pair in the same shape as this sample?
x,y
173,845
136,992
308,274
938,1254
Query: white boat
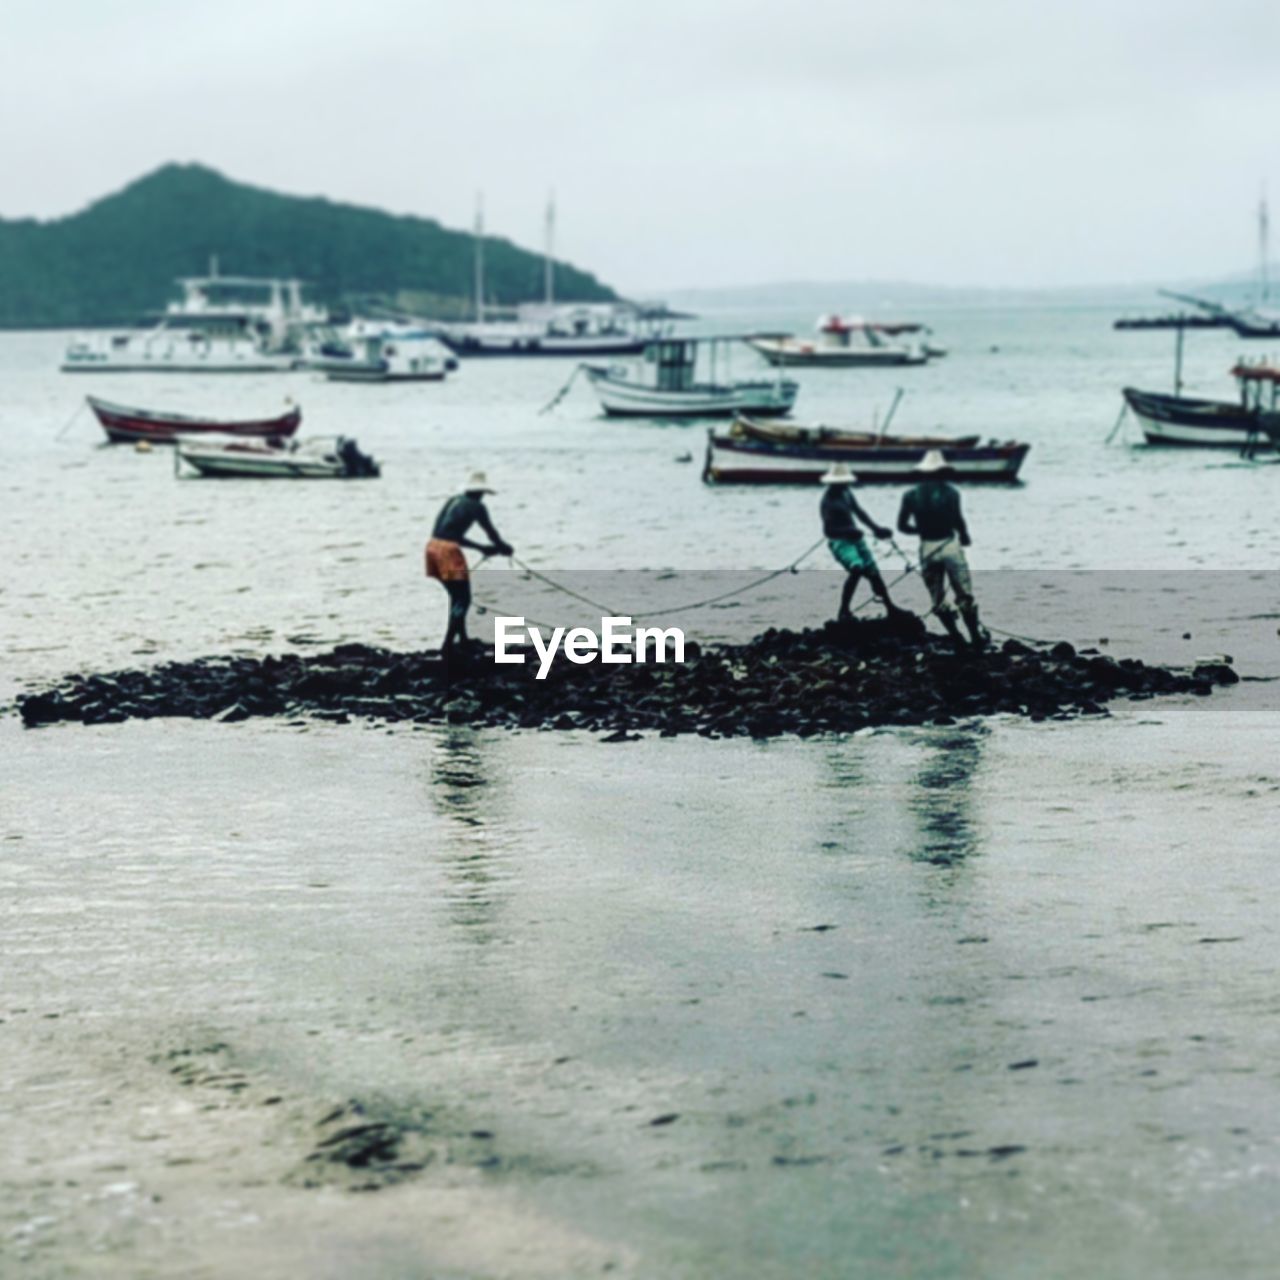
x,y
222,324
313,458
546,328
381,351
665,385
841,343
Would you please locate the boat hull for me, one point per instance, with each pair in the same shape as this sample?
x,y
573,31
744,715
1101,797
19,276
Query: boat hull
x,y
735,461
783,355
255,460
470,346
125,425
623,399
1179,420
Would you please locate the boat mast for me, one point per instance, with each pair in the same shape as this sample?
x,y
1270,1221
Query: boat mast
x,y
479,247
1264,229
548,264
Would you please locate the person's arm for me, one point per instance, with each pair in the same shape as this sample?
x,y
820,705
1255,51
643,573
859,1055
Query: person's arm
x,y
961,528
878,529
500,544
907,514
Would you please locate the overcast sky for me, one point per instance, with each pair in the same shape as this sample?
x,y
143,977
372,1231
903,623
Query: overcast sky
x,y
690,142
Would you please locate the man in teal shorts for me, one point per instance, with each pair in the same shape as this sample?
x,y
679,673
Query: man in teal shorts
x,y
840,516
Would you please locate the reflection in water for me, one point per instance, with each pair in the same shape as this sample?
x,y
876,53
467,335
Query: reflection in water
x,y
942,799
470,857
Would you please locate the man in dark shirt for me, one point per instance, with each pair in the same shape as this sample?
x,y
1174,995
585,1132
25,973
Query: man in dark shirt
x,y
932,510
840,515
445,561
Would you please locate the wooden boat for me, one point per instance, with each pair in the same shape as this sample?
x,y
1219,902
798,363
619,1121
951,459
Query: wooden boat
x,y
753,453
125,425
838,437
317,458
674,391
1182,420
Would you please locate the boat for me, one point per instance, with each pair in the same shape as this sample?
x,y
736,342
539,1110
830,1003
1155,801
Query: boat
x,y
314,458
125,425
1182,420
754,453
845,344
547,328
221,324
673,390
381,351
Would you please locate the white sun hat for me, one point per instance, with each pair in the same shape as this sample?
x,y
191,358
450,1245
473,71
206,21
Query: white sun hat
x,y
839,474
477,481
934,460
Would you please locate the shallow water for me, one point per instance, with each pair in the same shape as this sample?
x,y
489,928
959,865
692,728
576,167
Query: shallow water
x,y
990,1000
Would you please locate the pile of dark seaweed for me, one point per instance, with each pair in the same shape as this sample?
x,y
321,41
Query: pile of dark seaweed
x,y
839,678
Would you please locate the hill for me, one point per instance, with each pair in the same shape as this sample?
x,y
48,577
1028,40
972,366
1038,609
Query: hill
x,y
116,260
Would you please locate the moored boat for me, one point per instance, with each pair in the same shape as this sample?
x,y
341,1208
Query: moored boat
x,y
1183,420
316,458
841,343
747,455
674,390
125,425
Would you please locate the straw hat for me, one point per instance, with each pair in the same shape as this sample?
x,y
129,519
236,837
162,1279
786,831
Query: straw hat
x,y
477,482
839,474
932,462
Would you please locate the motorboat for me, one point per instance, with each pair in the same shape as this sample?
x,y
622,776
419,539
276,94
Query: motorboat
x,y
313,458
666,383
771,453
381,351
841,343
221,324
126,425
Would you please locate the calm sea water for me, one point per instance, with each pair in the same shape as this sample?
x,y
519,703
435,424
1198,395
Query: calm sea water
x,y
569,939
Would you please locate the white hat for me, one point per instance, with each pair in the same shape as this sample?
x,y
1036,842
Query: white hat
x,y
932,461
477,481
839,474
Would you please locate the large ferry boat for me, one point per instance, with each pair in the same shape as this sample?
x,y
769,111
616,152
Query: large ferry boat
x,y
221,324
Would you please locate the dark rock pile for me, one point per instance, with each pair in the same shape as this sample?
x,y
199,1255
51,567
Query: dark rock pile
x,y
837,679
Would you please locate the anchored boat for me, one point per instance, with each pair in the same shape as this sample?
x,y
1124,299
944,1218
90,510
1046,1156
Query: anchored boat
x,y
845,344
665,384
772,453
316,458
125,425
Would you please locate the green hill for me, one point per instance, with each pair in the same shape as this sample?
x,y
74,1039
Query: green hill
x,y
116,260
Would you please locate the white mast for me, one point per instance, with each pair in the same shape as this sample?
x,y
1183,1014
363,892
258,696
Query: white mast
x,y
1264,229
479,239
549,266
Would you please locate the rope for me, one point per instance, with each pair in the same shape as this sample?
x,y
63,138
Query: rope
x,y
66,426
564,391
1124,409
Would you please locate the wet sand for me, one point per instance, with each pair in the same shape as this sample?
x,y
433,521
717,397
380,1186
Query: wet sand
x,y
874,1005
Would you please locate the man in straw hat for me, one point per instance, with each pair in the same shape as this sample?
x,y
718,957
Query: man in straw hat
x,y
840,516
445,561
932,510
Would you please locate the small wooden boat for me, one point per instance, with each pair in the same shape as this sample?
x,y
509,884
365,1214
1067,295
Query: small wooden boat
x,y
1182,420
124,425
673,391
755,453
317,458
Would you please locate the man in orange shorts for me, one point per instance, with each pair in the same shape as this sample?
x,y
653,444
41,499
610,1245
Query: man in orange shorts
x,y
445,561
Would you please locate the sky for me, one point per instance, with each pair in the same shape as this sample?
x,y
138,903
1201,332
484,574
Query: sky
x,y
690,143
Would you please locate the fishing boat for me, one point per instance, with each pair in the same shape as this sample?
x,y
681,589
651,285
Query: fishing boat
x,y
841,343
221,324
125,425
1183,420
315,458
769,453
665,384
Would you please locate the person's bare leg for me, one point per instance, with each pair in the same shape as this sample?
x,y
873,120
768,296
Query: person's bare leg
x,y
852,578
